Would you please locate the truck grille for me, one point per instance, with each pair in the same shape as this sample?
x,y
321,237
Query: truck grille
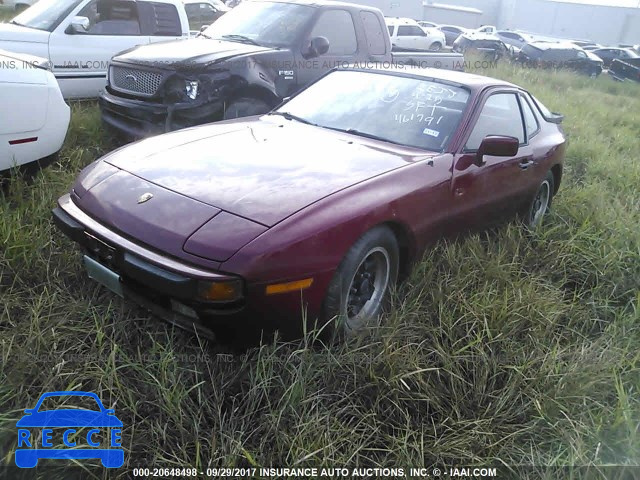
x,y
138,82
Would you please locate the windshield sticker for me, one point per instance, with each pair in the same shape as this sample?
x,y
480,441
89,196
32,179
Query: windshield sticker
x,y
430,132
390,95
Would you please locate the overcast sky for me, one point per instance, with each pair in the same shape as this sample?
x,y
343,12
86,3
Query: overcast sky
x,y
616,3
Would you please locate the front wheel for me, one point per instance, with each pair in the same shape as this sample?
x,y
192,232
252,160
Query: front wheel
x,y
361,285
245,107
436,47
541,202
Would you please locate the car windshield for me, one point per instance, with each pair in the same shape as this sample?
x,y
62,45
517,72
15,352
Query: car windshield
x,y
531,51
46,14
68,402
269,24
416,112
487,44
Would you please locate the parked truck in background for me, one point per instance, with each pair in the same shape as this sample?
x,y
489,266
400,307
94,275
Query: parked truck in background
x,y
79,37
246,63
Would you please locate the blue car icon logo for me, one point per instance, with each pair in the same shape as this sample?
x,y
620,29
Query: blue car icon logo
x,y
70,433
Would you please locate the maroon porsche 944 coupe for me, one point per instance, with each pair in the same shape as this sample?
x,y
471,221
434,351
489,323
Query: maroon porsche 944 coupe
x,y
313,210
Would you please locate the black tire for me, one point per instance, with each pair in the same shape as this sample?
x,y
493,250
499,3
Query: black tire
x,y
343,313
245,107
435,47
541,202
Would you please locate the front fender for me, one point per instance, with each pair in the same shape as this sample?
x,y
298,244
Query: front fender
x,y
316,238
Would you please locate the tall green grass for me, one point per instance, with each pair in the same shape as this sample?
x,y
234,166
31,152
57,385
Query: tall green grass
x,y
505,347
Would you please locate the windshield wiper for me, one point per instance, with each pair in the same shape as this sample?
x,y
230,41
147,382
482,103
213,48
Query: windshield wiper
x,y
202,34
291,116
353,131
242,38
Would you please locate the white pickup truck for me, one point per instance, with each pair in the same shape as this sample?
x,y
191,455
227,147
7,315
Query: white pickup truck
x,y
79,37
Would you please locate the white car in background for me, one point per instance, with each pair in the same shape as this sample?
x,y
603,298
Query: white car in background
x,y
80,37
408,34
487,29
17,4
35,116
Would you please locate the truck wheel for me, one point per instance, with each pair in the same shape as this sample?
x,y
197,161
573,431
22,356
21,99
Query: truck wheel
x,y
245,107
435,47
360,287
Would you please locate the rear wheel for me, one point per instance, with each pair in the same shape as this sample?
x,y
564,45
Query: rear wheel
x,y
245,107
541,202
361,286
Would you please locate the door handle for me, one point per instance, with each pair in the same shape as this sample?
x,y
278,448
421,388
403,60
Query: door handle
x,y
526,163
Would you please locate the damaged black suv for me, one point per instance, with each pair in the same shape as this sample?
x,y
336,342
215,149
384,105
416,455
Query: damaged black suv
x,y
246,63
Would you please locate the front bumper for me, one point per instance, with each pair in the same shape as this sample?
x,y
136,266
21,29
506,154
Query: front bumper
x,y
165,287
138,118
168,287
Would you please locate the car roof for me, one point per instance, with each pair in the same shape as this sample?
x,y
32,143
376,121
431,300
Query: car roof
x,y
614,48
471,80
400,21
323,3
555,46
475,35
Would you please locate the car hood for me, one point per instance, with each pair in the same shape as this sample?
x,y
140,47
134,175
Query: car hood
x,y
593,56
69,418
194,51
262,170
25,61
17,33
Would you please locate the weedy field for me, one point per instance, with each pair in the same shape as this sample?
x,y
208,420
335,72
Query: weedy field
x,y
503,348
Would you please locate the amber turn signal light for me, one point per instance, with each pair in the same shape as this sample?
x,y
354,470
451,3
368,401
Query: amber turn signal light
x,y
289,287
228,291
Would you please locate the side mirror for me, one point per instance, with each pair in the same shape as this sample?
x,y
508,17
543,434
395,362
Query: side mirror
x,y
318,46
497,146
110,411
78,25
29,411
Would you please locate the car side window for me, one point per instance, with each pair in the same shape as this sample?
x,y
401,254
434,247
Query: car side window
x,y
530,120
200,15
111,18
410,31
337,26
500,115
581,54
159,19
374,33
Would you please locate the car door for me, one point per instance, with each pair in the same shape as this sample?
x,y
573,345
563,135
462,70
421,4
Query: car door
x,y
337,26
81,58
452,34
581,61
607,56
412,36
495,190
